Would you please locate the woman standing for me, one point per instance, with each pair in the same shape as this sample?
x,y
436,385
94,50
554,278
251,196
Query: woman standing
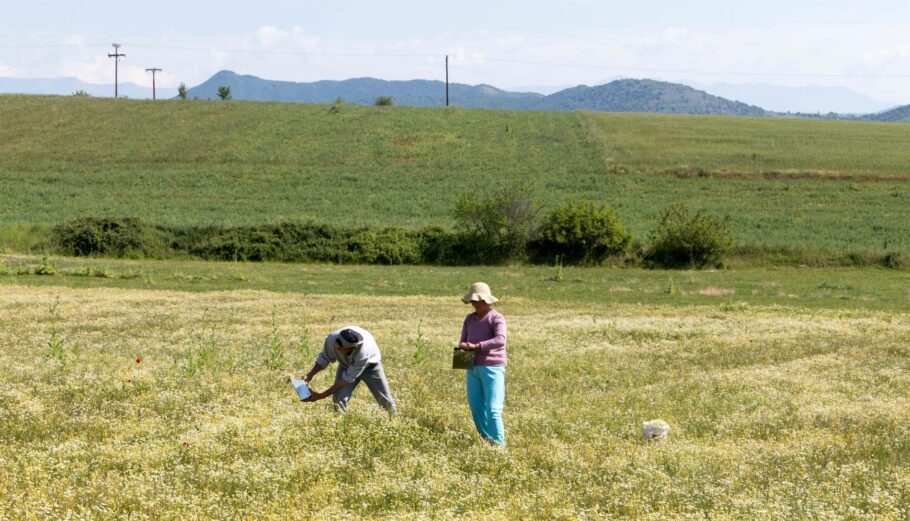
x,y
484,332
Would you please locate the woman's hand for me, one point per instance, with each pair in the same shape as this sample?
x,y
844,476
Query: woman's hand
x,y
469,346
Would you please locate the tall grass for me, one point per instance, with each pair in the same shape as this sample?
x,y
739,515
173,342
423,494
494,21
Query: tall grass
x,y
27,238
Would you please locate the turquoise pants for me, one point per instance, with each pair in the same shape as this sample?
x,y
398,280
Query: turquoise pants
x,y
486,396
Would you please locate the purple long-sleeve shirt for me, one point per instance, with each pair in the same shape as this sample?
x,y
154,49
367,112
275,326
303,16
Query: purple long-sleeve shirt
x,y
490,332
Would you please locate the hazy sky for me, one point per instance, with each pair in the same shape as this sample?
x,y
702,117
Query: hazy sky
x,y
863,45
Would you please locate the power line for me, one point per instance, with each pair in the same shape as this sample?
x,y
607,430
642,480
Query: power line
x,y
51,45
684,71
229,50
291,53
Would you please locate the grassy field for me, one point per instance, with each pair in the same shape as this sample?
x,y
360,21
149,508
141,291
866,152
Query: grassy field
x,y
829,185
797,288
155,390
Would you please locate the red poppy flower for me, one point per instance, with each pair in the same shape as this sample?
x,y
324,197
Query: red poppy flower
x,y
138,360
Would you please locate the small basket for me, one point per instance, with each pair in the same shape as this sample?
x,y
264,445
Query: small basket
x,y
462,359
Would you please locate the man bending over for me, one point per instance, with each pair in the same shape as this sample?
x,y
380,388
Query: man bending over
x,y
358,358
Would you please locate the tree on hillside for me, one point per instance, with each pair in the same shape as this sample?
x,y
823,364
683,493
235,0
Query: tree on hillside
x,y
224,92
82,94
181,90
384,101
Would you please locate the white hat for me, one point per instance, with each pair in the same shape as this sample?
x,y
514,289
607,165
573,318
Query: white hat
x,y
479,291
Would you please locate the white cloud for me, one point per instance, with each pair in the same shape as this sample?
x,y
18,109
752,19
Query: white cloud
x,y
97,70
270,35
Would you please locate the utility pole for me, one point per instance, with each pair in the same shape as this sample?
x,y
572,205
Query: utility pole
x,y
447,80
153,71
116,56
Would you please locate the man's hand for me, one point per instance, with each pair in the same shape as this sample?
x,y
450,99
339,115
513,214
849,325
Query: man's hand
x,y
307,377
314,396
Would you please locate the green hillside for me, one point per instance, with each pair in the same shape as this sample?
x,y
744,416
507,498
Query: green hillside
x,y
897,114
645,96
411,93
833,185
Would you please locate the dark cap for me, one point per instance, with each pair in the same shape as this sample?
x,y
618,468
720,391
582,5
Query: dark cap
x,y
349,338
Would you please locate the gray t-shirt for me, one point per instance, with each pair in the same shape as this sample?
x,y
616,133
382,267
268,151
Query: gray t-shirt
x,y
354,363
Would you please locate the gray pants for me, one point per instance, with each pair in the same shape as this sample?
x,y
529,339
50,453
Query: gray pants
x,y
376,382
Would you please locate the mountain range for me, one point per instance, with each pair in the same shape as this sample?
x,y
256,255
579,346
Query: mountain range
x,y
625,95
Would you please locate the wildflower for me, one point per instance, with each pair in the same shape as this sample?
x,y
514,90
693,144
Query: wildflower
x,y
138,360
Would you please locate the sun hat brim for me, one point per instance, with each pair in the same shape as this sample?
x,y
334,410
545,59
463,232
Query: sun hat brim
x,y
489,299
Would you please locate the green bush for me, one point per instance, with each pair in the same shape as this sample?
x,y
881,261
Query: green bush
x,y
386,246
681,241
384,101
581,232
311,242
114,237
443,247
287,242
496,226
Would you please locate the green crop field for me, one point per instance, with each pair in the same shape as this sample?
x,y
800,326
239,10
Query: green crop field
x,y
827,185
155,390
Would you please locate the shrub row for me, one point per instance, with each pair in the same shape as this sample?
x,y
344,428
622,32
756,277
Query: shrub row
x,y
581,233
287,242
310,242
570,233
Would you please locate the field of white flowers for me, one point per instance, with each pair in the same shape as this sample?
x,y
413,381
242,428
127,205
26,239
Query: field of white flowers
x,y
139,404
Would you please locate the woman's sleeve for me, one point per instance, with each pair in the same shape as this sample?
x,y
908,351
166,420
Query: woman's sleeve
x,y
464,331
499,335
